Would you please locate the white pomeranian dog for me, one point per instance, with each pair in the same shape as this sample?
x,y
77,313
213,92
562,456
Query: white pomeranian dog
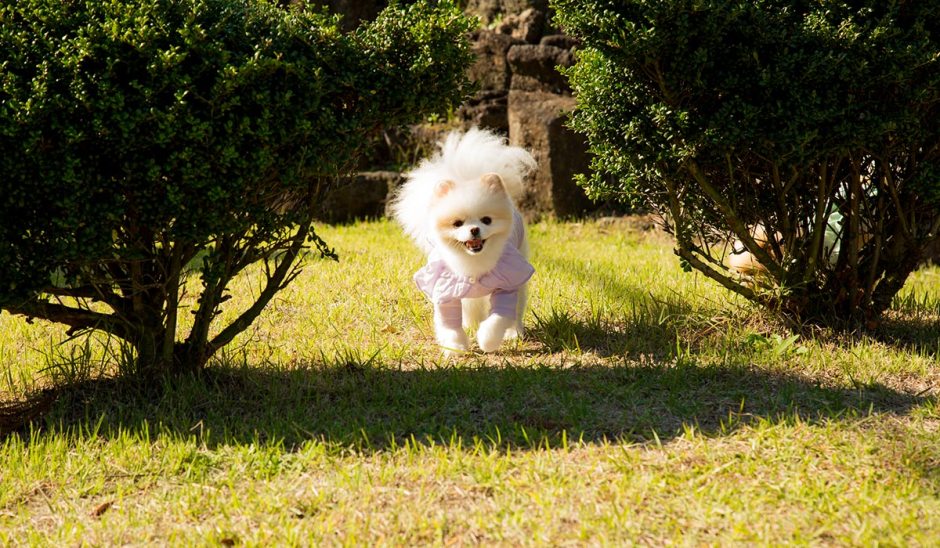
x,y
459,206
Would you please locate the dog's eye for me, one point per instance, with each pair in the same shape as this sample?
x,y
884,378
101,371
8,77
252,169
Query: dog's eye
x,y
486,220
458,223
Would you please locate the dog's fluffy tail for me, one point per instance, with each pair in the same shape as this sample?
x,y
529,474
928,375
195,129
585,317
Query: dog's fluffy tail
x,y
462,157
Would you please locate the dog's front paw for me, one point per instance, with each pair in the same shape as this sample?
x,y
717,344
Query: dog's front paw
x,y
492,331
453,341
514,332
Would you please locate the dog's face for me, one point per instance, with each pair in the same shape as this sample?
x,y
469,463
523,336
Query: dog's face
x,y
472,220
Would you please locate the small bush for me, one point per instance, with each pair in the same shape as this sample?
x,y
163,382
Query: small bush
x,y
143,136
814,123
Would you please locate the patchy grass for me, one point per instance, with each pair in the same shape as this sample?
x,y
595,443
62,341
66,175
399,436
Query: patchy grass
x,y
646,405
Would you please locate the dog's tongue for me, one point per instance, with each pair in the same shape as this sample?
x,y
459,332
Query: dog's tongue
x,y
474,243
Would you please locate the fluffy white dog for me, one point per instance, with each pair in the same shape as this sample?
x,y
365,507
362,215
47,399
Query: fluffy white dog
x,y
459,206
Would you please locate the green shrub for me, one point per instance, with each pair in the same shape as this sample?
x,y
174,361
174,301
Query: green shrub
x,y
142,136
814,122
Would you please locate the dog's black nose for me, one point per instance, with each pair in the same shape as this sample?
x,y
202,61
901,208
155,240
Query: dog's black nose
x,y
474,231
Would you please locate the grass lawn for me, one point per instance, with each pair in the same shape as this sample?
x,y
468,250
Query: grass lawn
x,y
646,405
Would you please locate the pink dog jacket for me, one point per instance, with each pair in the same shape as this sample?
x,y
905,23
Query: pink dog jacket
x,y
446,288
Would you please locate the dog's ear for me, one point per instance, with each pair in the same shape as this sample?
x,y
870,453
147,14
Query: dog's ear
x,y
442,188
493,182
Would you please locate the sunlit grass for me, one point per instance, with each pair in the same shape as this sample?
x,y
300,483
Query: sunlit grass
x,y
645,405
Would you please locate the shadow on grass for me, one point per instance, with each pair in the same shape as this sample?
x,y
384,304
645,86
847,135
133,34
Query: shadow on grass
x,y
650,332
651,325
641,324
914,334
372,405
377,407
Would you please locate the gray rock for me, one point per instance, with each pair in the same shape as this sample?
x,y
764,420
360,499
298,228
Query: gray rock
x,y
537,122
511,7
490,70
562,41
534,68
362,196
487,109
486,10
526,26
490,10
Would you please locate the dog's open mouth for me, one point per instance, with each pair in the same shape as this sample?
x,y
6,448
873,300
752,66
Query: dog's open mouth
x,y
474,246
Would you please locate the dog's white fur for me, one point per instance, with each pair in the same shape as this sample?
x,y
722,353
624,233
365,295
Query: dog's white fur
x,y
458,182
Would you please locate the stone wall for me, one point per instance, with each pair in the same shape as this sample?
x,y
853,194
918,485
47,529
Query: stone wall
x,y
521,95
